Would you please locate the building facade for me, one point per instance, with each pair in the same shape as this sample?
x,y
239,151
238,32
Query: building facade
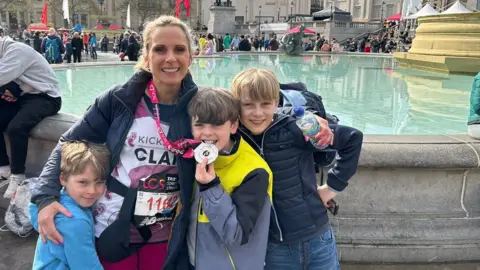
x,y
250,11
367,10
88,12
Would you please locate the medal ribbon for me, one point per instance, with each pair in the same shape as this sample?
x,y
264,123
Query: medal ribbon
x,y
182,147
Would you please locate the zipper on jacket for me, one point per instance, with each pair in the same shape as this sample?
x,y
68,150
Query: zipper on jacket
x,y
262,154
231,259
196,222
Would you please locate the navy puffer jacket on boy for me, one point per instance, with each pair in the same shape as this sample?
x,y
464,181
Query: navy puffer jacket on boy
x,y
298,213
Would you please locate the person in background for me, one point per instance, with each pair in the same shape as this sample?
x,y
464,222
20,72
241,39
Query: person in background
x,y
473,123
85,39
37,42
244,45
325,46
133,48
274,44
29,92
124,42
115,44
52,47
266,44
77,47
208,49
84,169
235,43
93,45
227,40
202,42
68,50
104,43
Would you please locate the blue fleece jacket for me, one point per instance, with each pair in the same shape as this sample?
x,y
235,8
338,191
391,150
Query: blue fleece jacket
x,y
78,248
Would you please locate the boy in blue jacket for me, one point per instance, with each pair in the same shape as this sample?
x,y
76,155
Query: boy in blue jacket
x,y
84,167
300,235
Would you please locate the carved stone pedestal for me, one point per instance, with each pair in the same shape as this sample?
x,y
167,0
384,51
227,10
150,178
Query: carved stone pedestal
x,y
222,20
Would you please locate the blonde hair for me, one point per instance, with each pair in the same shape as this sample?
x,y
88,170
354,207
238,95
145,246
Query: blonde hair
x,y
150,27
77,156
257,85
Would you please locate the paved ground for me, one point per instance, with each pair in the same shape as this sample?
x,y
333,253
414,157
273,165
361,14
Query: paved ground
x,y
16,253
102,57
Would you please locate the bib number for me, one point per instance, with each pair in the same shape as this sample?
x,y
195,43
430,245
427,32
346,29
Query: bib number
x,y
157,198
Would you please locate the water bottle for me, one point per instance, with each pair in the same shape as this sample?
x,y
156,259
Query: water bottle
x,y
308,124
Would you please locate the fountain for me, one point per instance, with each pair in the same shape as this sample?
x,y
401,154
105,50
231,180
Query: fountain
x,y
446,43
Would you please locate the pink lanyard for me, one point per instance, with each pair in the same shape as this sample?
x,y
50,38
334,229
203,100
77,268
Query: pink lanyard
x,y
182,147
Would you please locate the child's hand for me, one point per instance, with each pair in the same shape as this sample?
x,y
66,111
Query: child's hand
x,y
326,194
202,175
325,136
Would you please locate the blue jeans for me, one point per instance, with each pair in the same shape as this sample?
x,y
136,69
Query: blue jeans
x,y
318,253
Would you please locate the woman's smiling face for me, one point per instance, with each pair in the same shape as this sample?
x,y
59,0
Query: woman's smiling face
x,y
168,56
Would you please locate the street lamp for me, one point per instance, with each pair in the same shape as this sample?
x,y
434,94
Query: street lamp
x,y
259,18
101,6
331,10
381,13
246,8
291,9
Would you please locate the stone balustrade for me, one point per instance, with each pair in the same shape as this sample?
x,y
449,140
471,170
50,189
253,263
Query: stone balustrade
x,y
413,199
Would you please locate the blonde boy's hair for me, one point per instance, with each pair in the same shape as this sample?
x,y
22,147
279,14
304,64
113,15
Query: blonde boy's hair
x,y
77,156
257,85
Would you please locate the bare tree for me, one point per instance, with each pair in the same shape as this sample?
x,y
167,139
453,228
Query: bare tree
x,y
146,9
13,5
74,6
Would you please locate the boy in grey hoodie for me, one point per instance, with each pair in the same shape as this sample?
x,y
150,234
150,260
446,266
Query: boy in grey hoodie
x,y
29,92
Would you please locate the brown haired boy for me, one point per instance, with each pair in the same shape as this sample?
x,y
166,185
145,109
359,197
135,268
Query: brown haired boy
x,y
231,208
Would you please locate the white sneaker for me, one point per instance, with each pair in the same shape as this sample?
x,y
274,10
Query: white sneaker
x,y
4,172
14,181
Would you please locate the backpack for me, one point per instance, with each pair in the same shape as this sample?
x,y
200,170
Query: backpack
x,y
297,94
51,50
17,216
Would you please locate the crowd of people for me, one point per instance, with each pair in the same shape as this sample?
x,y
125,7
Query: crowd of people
x,y
62,46
209,44
134,184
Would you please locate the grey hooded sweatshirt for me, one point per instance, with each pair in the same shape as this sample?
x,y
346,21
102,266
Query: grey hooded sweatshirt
x,y
29,69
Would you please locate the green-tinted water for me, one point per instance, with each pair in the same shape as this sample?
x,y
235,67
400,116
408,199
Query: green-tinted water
x,y
368,93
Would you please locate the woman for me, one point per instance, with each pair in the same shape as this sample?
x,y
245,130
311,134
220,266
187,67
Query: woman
x,y
210,46
124,117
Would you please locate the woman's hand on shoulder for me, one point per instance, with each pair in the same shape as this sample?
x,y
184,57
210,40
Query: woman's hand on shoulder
x,y
46,222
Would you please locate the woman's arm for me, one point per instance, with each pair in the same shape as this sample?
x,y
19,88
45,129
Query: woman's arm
x,y
93,127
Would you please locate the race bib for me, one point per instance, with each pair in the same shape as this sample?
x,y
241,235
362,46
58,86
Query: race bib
x,y
157,198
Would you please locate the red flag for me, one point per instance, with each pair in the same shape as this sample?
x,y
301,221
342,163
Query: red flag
x,y
177,8
44,17
186,4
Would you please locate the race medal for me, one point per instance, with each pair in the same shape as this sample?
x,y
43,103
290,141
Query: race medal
x,y
157,198
206,150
